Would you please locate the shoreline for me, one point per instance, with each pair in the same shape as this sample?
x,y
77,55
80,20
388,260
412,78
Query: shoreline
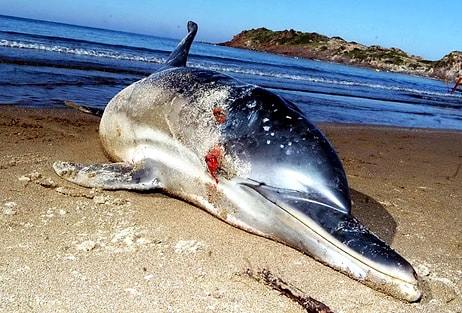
x,y
69,248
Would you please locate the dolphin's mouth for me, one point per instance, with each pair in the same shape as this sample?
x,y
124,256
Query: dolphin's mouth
x,y
336,238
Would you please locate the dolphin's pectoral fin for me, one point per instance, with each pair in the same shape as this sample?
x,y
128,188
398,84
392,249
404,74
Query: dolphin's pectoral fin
x,y
138,176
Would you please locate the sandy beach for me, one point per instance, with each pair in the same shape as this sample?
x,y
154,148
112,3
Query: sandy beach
x,y
69,249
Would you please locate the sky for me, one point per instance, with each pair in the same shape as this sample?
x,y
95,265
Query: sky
x,y
427,28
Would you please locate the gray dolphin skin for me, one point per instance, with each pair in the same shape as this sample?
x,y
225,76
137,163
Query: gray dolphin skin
x,y
248,157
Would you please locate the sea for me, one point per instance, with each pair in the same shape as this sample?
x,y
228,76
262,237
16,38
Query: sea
x,y
44,63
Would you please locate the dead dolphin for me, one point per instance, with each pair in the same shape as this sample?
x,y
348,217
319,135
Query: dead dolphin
x,y
247,156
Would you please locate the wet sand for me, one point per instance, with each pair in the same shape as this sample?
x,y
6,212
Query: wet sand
x,y
69,249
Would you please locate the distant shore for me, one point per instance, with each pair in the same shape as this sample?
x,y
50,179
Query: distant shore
x,y
334,49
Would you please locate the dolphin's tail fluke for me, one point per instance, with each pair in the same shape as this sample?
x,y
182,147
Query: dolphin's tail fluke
x,y
179,56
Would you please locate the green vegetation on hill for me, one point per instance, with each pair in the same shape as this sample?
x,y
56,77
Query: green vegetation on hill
x,y
337,50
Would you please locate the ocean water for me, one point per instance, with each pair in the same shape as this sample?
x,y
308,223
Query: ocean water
x,y
42,64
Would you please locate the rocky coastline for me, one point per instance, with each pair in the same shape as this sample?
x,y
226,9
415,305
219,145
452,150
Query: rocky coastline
x,y
335,49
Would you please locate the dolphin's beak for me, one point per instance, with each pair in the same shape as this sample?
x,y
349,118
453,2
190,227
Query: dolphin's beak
x,y
314,225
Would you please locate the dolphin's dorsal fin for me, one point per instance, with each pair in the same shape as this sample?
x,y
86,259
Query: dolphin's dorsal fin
x,y
179,56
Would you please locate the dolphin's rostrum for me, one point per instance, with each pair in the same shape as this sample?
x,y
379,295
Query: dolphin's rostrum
x,y
247,156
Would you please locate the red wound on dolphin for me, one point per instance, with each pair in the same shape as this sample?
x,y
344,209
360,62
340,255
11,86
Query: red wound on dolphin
x,y
213,160
219,114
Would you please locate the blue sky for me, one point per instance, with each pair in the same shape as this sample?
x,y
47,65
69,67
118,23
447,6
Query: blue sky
x,y
427,28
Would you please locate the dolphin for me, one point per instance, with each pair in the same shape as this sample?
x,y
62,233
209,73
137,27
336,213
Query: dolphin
x,y
245,155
